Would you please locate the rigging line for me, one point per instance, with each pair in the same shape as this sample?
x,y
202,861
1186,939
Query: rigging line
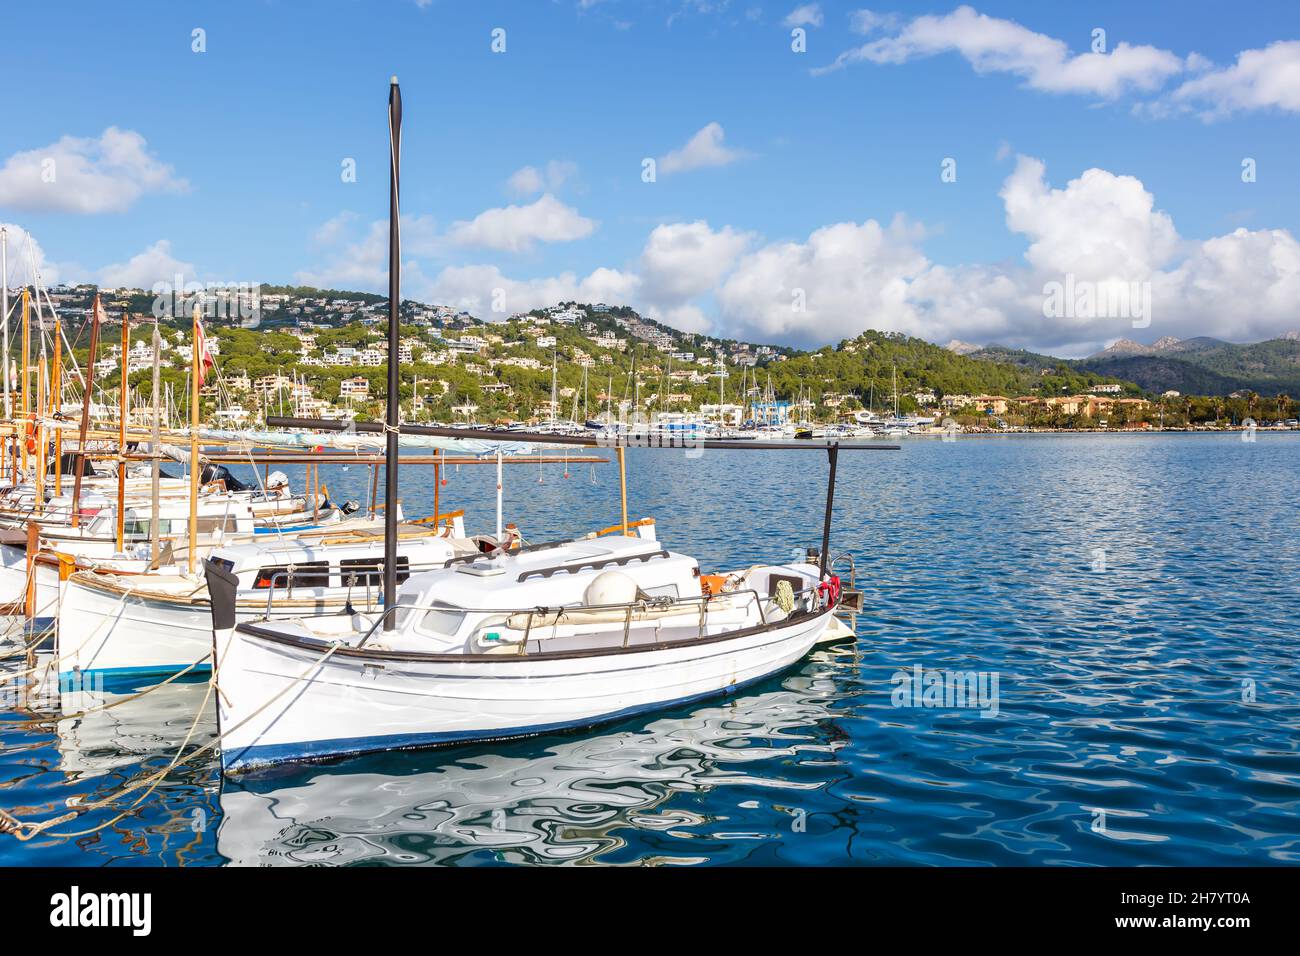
x,y
125,700
26,831
10,824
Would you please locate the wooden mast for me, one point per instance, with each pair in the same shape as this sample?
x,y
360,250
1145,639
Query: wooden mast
x,y
27,337
437,485
195,374
56,388
39,463
122,412
622,484
154,493
89,381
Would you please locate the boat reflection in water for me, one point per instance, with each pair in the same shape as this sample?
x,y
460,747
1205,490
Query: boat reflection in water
x,y
101,731
547,800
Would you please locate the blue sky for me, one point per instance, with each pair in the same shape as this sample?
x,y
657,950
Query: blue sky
x,y
801,178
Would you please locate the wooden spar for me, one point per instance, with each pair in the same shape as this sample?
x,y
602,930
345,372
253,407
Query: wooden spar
x,y
39,463
33,549
196,373
500,498
437,484
88,380
155,477
833,454
374,490
4,317
122,411
622,485
56,389
27,338
392,419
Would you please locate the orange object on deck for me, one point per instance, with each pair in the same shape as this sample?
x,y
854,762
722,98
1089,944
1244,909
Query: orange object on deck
x,y
712,583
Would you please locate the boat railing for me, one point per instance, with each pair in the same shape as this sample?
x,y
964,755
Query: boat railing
x,y
349,577
628,609
846,558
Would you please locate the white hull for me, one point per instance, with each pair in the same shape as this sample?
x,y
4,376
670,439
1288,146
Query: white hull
x,y
520,805
372,699
104,630
13,582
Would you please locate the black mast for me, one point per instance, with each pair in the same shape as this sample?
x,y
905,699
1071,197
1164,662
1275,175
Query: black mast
x,y
833,455
394,334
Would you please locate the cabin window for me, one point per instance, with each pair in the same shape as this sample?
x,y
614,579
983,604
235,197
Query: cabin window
x,y
135,529
663,590
310,574
443,620
369,571
209,525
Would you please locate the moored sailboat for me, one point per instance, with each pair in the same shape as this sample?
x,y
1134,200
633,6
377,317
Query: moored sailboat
x,y
543,638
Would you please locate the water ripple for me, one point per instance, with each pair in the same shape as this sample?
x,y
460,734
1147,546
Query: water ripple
x,y
1132,595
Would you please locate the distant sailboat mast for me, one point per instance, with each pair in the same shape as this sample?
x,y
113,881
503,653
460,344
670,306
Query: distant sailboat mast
x,y
555,358
4,311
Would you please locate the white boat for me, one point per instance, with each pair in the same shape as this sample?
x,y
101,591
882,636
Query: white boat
x,y
561,803
562,636
95,543
136,625
524,642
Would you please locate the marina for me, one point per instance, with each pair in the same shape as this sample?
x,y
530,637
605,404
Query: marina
x,y
1120,690
628,444
371,638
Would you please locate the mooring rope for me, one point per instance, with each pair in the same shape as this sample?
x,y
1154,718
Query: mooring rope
x,y
26,830
8,678
27,648
126,700
28,575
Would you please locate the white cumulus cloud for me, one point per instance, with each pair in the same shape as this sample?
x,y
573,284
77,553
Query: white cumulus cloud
x,y
518,228
530,180
705,148
1260,79
86,175
23,252
152,265
686,259
807,15
479,289
1099,227
360,261
995,45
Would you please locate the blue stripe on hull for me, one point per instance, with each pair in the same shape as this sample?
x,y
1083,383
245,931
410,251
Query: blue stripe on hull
x,y
251,758
124,678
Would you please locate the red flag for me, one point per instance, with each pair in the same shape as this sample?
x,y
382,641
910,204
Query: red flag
x,y
205,357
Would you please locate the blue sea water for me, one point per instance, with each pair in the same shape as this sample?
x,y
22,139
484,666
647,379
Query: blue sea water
x,y
1133,597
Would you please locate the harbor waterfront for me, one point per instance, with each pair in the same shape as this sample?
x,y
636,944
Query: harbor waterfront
x,y
1073,650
